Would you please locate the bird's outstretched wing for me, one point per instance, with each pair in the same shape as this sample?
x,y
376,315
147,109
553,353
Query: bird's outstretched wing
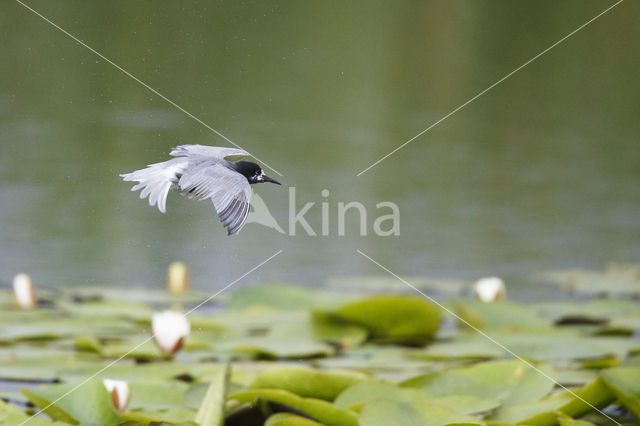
x,y
228,190
217,152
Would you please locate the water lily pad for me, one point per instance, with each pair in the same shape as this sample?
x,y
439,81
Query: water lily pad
x,y
271,348
392,318
625,383
46,368
595,311
466,404
387,284
503,314
564,420
510,382
385,412
172,416
10,415
325,327
368,390
573,404
308,382
289,419
616,280
320,410
565,346
470,346
282,296
156,394
89,403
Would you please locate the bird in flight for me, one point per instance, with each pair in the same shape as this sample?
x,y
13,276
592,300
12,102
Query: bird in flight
x,y
202,172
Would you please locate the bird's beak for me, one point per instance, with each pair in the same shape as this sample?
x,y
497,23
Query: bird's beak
x,y
266,178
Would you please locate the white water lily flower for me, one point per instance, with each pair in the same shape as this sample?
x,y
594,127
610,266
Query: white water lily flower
x,y
119,391
169,329
23,291
490,289
177,278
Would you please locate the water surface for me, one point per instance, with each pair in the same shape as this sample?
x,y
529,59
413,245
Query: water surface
x,y
541,172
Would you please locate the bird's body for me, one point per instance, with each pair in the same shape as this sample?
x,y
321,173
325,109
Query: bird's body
x,y
203,172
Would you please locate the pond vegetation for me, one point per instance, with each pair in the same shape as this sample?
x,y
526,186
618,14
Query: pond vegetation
x,y
279,354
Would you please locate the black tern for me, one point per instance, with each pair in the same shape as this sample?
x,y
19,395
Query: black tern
x,y
202,172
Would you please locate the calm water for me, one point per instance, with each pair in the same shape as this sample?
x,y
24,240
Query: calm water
x,y
541,172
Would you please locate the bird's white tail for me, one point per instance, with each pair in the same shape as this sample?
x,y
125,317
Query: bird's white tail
x,y
156,180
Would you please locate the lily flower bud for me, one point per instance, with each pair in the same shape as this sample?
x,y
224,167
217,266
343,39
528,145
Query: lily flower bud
x,y
490,289
119,391
177,278
169,329
23,293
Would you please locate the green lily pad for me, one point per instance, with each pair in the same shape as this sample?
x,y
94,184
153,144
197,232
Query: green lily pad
x,y
469,346
270,348
595,311
595,394
281,296
616,280
564,420
10,415
47,368
385,412
320,410
466,404
172,416
510,382
84,403
625,383
308,382
387,284
156,394
289,419
368,390
393,318
503,314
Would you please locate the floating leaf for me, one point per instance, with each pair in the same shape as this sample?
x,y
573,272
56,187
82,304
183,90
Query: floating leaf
x,y
470,346
390,318
503,314
616,280
466,404
173,416
368,390
574,403
385,412
564,420
625,383
436,415
281,296
308,382
289,419
10,415
510,381
282,348
320,410
156,394
86,403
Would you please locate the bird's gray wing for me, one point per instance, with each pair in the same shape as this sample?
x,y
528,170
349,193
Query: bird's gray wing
x,y
228,190
218,152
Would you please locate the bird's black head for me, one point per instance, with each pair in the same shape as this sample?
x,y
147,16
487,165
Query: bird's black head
x,y
252,172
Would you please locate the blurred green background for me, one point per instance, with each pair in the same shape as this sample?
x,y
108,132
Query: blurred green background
x,y
541,172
